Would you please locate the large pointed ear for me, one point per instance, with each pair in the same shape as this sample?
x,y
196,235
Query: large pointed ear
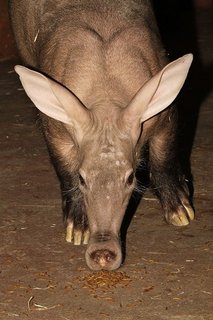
x,y
52,98
159,92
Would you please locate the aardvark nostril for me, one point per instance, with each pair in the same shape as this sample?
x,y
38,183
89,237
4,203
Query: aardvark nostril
x,y
103,257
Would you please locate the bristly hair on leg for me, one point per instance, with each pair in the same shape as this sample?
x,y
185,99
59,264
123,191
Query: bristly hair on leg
x,y
139,187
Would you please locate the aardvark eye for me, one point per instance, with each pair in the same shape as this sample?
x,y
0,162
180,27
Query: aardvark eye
x,y
130,179
82,181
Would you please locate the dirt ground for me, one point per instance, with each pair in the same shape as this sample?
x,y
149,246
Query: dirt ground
x,y
167,273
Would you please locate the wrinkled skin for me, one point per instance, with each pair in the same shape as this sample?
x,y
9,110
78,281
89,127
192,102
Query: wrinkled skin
x,y
107,165
113,168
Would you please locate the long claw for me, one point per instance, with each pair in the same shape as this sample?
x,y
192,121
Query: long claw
x,y
179,219
69,232
77,237
190,211
86,237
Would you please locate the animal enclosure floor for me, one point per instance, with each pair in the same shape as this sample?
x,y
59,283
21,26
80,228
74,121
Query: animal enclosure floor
x,y
167,274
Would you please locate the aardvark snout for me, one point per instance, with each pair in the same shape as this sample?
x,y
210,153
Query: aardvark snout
x,y
104,252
